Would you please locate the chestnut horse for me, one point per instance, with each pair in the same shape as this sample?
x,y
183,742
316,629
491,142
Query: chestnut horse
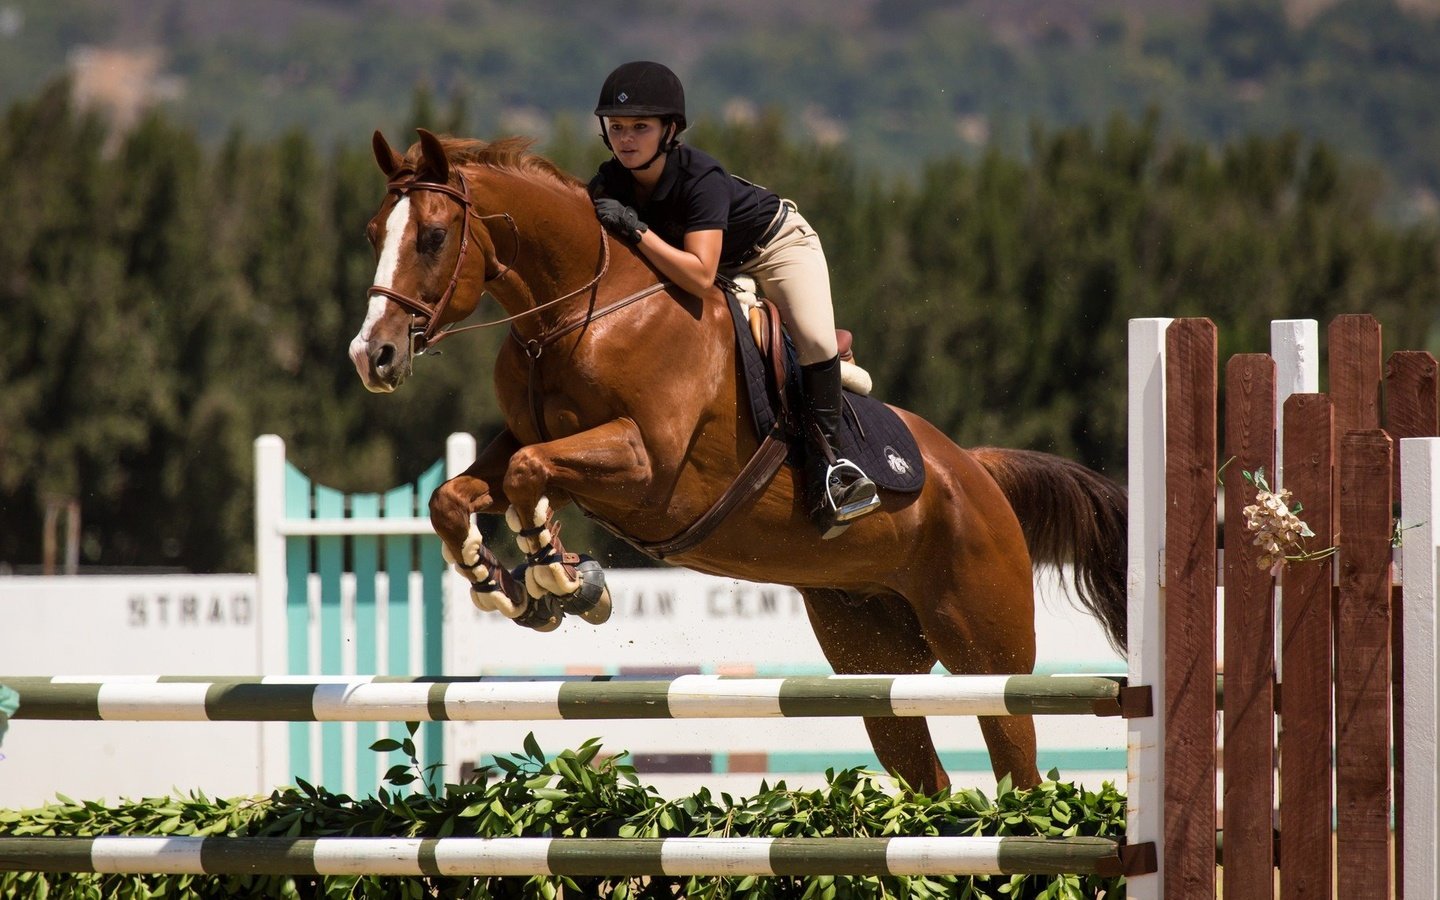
x,y
622,395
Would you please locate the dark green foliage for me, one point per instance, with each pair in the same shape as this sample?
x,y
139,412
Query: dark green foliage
x,y
163,303
903,82
582,793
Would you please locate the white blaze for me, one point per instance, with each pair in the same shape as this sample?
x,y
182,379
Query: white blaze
x,y
385,270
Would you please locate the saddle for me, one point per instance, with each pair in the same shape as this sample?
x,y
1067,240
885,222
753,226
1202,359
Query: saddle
x,y
763,318
871,434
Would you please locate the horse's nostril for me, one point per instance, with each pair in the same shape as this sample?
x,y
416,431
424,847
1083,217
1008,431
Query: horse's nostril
x,y
384,357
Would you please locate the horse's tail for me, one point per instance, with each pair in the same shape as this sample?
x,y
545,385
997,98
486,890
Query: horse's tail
x,y
1072,516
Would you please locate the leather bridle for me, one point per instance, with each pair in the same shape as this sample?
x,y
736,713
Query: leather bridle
x,y
425,317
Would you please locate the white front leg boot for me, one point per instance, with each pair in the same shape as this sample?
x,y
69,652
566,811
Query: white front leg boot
x,y
546,572
485,590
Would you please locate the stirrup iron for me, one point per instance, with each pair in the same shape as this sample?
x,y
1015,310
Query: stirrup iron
x,y
857,498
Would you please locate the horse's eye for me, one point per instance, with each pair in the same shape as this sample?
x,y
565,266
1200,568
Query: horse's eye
x,y
371,231
431,240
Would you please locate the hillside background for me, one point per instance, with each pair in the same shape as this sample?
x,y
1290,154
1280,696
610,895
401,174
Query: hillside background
x,y
896,81
1000,185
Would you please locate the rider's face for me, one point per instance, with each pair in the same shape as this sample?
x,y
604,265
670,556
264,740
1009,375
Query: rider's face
x,y
635,139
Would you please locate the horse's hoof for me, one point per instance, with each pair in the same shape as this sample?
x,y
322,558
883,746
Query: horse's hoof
x,y
590,601
601,613
541,614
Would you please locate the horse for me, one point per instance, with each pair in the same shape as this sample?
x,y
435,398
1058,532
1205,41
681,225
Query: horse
x,y
620,394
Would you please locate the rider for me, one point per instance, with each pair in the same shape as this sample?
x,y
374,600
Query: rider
x,y
691,220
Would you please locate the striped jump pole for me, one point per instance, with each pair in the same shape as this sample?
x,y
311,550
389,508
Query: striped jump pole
x,y
429,699
576,857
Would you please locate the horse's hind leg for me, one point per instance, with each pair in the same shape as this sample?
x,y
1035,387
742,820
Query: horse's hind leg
x,y
990,630
881,636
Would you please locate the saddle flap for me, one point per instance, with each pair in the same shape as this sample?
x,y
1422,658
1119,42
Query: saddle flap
x,y
746,291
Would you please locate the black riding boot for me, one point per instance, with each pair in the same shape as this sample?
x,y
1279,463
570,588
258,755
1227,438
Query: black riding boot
x,y
836,490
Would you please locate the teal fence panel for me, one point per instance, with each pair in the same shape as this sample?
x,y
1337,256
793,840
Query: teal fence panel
x,y
297,610
359,566
432,575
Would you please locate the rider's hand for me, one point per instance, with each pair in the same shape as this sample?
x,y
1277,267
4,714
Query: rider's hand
x,y
620,220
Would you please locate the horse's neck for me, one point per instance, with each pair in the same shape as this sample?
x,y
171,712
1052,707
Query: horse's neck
x,y
564,256
552,261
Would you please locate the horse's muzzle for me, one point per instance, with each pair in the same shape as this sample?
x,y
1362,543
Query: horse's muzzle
x,y
382,366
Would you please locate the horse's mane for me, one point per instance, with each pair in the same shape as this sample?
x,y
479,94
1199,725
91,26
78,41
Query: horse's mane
x,y
511,154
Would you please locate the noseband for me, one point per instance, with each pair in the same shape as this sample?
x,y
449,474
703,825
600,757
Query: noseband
x,y
425,317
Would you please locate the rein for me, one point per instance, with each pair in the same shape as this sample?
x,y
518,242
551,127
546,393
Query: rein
x,y
426,335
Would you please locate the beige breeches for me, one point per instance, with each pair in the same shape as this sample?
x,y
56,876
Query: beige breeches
x,y
792,273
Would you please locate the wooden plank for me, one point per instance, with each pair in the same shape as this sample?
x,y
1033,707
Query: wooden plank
x,y
1295,347
1410,411
1249,718
1362,660
1190,573
1354,376
1356,371
1412,388
1306,733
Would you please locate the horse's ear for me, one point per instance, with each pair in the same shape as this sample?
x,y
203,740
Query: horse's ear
x,y
388,159
434,155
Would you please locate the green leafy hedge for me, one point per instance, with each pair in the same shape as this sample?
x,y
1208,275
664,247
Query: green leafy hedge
x,y
579,793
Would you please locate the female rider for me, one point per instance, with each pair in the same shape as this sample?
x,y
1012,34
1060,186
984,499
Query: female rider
x,y
691,220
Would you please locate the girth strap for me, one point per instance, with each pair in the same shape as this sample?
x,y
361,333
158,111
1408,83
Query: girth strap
x,y
753,478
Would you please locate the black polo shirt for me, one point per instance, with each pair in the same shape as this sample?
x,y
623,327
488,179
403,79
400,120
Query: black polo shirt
x,y
695,194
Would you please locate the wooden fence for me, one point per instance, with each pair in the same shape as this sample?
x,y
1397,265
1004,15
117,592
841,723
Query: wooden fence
x,y
1333,627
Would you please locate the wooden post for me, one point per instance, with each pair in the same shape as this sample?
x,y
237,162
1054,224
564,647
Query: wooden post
x,y
1190,579
1145,735
1306,734
1362,667
1249,716
1418,821
1410,411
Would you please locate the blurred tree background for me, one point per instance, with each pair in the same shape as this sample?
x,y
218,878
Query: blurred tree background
x,y
169,293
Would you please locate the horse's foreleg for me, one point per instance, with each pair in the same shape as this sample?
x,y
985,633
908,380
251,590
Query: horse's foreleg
x,y
606,461
478,489
453,506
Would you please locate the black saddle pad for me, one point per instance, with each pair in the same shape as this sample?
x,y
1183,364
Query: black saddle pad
x,y
872,435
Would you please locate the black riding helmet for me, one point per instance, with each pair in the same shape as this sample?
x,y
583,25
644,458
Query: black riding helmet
x,y
643,88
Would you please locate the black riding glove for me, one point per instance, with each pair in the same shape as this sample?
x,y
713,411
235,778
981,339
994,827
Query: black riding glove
x,y
620,220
